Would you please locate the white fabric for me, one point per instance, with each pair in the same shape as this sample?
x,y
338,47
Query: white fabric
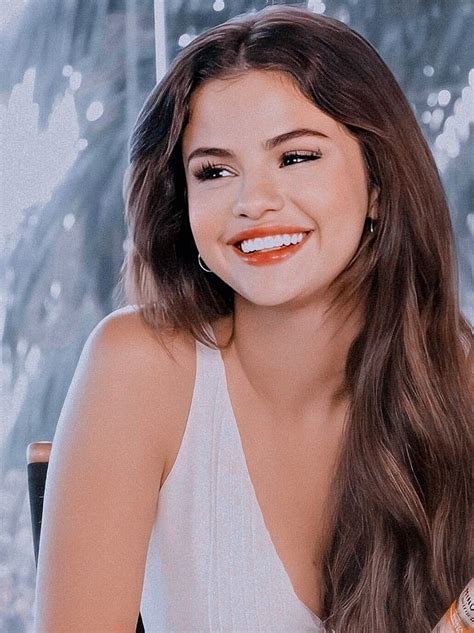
x,y
211,563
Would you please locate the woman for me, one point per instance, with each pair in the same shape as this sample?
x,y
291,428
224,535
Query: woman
x,y
278,438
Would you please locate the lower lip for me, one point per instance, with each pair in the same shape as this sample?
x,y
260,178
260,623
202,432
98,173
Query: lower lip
x,y
271,257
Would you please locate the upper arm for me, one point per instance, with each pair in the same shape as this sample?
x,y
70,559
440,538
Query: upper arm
x,y
103,483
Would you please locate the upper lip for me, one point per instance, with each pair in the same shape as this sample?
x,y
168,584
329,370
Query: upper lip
x,y
265,231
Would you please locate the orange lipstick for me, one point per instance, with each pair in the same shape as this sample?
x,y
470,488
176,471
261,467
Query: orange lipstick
x,y
273,256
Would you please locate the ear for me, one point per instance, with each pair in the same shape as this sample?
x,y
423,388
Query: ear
x,y
373,206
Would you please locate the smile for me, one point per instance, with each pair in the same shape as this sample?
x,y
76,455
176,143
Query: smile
x,y
273,255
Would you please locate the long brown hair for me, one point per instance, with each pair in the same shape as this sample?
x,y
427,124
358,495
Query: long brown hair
x,y
401,535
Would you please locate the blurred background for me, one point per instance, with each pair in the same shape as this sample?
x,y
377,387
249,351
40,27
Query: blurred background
x,y
74,75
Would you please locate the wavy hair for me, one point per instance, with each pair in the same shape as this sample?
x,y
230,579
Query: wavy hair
x,y
400,547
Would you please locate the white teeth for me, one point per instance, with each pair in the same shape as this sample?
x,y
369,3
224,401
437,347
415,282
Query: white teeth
x,y
258,244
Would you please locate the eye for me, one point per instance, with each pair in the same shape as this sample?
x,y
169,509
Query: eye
x,y
209,170
304,155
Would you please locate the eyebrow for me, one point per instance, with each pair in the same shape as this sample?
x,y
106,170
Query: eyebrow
x,y
267,145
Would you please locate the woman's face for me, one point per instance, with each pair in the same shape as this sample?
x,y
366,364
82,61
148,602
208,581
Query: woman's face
x,y
238,180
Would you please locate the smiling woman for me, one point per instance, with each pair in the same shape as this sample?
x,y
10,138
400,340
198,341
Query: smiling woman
x,y
291,239
281,190
311,176
310,141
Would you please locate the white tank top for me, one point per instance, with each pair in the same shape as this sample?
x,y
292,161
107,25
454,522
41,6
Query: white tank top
x,y
211,563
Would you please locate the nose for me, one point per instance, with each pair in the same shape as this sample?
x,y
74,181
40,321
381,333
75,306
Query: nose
x,y
256,197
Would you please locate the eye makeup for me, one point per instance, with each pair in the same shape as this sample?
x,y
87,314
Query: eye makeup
x,y
208,170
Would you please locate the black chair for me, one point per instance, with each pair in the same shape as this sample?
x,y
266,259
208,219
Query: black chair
x,y
37,456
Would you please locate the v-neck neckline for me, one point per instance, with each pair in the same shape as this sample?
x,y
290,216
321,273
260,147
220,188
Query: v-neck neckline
x,y
233,419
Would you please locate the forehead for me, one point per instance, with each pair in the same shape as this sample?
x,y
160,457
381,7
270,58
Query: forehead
x,y
267,100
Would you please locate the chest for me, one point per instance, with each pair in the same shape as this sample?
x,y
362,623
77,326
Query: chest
x,y
292,471
291,464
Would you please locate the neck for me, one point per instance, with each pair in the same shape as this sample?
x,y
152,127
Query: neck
x,y
293,360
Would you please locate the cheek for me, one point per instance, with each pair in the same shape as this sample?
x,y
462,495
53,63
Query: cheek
x,y
339,218
346,204
203,224
343,229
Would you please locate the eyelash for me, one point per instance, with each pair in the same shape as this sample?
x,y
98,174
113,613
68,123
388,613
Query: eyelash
x,y
205,172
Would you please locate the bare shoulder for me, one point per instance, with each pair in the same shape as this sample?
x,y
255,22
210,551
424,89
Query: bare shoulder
x,y
126,328
125,408
160,369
